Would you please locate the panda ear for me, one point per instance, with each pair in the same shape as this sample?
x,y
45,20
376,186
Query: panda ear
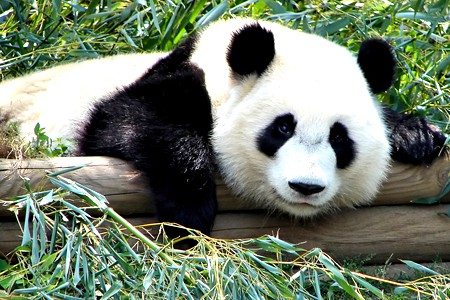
x,y
377,63
251,50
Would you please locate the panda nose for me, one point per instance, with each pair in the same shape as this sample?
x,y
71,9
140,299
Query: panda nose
x,y
306,188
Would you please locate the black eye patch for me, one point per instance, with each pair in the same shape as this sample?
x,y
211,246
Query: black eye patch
x,y
276,134
342,144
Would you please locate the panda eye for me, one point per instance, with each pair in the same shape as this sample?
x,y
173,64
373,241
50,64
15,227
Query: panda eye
x,y
338,134
343,146
285,129
336,138
275,134
284,126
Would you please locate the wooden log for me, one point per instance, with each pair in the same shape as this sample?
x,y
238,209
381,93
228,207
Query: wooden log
x,y
407,182
418,233
124,187
128,193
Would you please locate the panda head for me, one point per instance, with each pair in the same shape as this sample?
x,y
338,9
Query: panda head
x,y
300,130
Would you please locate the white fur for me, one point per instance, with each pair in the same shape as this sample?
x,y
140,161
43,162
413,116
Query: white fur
x,y
59,98
317,81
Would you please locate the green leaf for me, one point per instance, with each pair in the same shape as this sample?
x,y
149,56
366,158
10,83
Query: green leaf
x,y
333,27
419,267
338,277
126,267
265,265
285,246
155,16
48,260
443,65
83,53
128,38
37,129
4,265
212,15
376,291
275,7
26,236
419,16
57,173
8,281
63,286
114,289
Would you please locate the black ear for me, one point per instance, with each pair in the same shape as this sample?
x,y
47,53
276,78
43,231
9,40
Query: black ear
x,y
251,50
377,63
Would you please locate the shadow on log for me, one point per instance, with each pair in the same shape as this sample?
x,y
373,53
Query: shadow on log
x,y
388,228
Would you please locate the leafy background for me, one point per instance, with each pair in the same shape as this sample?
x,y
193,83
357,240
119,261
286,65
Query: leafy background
x,y
38,34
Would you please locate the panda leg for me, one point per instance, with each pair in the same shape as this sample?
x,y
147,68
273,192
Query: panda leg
x,y
178,163
182,181
161,124
413,139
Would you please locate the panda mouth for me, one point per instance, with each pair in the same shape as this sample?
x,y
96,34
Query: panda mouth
x,y
313,201
302,202
295,200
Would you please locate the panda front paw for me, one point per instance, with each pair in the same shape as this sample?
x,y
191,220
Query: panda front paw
x,y
414,140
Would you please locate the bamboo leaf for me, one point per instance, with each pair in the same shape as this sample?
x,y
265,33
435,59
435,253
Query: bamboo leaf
x,y
338,277
275,7
265,265
155,16
128,38
419,16
419,267
113,290
212,15
126,267
376,291
26,236
333,27
66,170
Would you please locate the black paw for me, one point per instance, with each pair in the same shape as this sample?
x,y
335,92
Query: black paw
x,y
414,140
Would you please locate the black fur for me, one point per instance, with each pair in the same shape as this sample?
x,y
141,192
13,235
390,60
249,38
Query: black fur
x,y
161,124
251,50
342,144
413,139
377,63
276,134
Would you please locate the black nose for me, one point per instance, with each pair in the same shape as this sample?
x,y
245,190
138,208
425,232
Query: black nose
x,y
306,188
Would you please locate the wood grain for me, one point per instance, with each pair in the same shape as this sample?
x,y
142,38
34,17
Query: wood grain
x,y
124,187
418,233
128,193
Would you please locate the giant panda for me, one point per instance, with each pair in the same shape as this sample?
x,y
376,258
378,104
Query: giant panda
x,y
288,119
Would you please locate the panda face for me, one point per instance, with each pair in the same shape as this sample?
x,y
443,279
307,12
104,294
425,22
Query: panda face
x,y
298,157
304,165
303,135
